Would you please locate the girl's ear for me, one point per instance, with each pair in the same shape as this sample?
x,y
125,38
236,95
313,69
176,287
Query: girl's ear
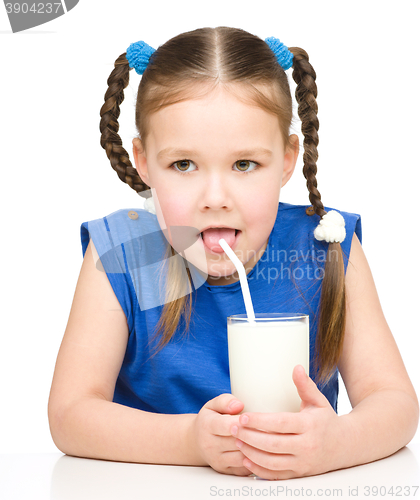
x,y
140,161
290,159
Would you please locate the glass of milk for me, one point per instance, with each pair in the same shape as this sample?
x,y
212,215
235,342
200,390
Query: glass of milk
x,y
262,355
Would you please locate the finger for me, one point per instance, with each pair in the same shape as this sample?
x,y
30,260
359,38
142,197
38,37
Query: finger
x,y
232,458
269,461
238,471
268,474
233,463
270,442
225,444
307,389
225,404
282,423
221,425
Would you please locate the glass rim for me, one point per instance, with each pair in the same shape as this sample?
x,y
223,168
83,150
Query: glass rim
x,y
269,316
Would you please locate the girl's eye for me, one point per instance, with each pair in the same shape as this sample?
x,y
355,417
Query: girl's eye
x,y
244,165
182,165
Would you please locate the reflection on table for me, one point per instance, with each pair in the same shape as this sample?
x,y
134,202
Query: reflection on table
x,y
61,477
82,479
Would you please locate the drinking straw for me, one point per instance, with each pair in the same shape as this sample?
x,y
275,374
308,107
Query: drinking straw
x,y
242,278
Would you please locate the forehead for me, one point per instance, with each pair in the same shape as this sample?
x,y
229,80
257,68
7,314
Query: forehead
x,y
218,119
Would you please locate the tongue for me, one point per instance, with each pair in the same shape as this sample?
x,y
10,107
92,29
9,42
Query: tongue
x,y
212,236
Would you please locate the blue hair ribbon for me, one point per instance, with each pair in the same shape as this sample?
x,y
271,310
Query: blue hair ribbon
x,y
282,53
138,56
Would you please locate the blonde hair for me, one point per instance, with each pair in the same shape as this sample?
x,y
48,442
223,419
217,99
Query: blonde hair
x,y
191,64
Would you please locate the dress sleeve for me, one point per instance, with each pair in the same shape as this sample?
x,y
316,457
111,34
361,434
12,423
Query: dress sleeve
x,y
111,260
353,226
133,252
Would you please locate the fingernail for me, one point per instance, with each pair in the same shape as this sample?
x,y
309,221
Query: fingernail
x,y
247,463
244,419
238,443
233,404
234,430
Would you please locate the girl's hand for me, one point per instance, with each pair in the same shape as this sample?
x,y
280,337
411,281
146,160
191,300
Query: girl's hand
x,y
211,430
288,445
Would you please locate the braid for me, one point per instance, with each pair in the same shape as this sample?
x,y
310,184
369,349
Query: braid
x,y
109,126
332,314
306,92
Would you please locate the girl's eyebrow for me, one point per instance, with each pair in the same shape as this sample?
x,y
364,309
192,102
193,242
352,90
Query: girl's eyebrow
x,y
253,152
173,152
170,152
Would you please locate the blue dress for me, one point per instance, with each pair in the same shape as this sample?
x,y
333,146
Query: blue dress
x,y
194,367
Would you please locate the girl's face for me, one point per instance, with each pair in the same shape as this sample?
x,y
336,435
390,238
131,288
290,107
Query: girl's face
x,y
216,161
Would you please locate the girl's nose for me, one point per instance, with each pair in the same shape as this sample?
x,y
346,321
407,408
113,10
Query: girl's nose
x,y
215,192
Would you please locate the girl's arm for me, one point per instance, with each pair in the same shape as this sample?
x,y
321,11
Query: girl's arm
x,y
83,419
385,407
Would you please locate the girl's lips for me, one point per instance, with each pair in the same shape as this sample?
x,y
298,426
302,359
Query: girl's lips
x,y
218,250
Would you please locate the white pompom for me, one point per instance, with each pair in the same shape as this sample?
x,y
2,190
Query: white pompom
x,y
331,228
149,205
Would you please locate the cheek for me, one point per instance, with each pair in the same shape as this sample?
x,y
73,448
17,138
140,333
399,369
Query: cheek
x,y
262,211
176,211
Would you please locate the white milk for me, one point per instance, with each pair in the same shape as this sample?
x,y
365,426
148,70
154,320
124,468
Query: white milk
x,y
261,361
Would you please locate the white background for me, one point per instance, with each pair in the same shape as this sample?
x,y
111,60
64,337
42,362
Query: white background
x,y
55,175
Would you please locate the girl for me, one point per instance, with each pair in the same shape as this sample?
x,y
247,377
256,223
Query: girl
x,y
142,373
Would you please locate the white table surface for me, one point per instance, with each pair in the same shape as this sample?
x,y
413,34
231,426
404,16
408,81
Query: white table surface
x,y
56,476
